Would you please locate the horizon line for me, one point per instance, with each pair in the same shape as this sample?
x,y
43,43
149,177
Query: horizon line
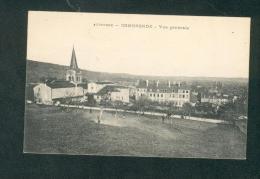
x,y
146,75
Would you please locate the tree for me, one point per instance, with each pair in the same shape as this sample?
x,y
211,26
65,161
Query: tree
x,y
171,109
228,113
205,108
91,101
187,109
142,103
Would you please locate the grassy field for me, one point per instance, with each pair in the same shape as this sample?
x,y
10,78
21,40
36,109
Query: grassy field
x,y
50,130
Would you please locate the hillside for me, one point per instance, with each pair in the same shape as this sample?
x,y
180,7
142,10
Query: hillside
x,y
37,70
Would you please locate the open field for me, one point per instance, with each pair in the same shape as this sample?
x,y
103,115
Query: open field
x,y
50,130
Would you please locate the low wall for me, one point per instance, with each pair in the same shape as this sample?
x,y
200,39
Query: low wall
x,y
215,121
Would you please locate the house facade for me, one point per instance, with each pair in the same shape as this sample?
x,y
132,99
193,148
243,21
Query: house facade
x,y
47,92
217,100
175,93
113,93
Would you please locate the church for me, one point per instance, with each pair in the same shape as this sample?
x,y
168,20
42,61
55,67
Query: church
x,y
56,90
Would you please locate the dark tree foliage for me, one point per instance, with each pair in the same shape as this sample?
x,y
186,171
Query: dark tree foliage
x,y
187,109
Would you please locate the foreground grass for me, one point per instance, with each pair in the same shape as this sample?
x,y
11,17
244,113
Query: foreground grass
x,y
49,130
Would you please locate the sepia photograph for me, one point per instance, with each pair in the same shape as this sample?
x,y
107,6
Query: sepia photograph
x,y
136,85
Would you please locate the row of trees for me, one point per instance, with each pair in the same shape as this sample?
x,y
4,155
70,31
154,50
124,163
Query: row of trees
x,y
229,111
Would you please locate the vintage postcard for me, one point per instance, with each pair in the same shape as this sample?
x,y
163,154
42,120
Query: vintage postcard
x,y
137,85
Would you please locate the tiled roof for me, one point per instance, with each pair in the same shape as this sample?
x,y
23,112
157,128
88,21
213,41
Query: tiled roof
x,y
152,86
104,82
60,84
83,85
107,89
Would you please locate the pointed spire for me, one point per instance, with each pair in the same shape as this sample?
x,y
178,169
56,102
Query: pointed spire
x,y
73,62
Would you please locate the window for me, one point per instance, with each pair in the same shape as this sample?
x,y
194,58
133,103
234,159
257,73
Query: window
x,y
158,95
187,91
183,96
151,95
154,95
161,95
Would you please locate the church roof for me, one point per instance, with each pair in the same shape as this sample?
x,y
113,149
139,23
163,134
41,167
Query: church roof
x,y
73,61
60,84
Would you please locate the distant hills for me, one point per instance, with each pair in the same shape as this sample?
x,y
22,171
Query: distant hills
x,y
37,70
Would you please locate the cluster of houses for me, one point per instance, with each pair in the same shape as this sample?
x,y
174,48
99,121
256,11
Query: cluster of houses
x,y
73,87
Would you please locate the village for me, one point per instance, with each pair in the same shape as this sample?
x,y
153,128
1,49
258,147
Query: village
x,y
144,117
165,97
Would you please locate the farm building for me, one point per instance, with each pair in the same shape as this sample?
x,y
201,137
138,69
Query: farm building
x,y
113,93
47,92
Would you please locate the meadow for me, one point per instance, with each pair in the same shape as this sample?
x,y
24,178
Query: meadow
x,y
48,129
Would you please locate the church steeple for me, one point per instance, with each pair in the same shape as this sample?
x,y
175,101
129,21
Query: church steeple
x,y
73,74
73,61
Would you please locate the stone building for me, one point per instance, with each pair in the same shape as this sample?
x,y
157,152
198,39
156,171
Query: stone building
x,y
175,93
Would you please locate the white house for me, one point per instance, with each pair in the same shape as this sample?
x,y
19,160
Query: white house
x,y
218,100
46,92
113,93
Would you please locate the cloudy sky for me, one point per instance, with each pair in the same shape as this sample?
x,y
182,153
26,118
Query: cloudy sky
x,y
209,46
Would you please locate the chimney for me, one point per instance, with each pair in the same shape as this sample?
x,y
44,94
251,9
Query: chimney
x,y
157,83
169,84
147,83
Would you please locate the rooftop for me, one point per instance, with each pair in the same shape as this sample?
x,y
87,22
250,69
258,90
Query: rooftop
x,y
104,82
107,89
60,84
152,86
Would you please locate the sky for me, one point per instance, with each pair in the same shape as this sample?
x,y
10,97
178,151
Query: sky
x,y
206,46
